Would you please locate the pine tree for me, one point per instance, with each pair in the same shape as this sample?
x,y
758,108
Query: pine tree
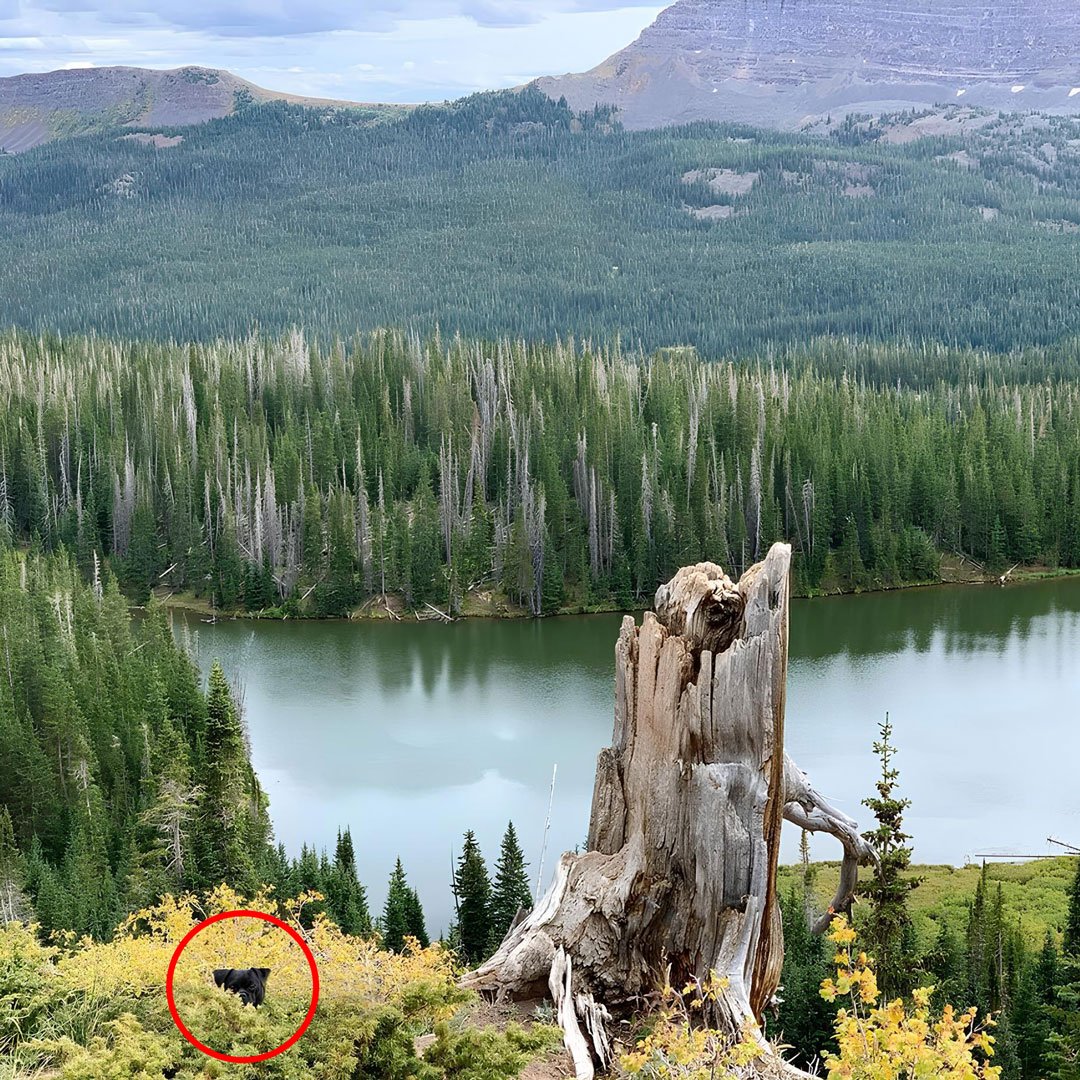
x,y
14,906
277,871
45,889
978,971
1070,941
554,585
164,858
1062,1056
804,1020
309,874
415,925
228,573
425,572
888,922
472,891
224,839
510,890
346,896
338,594
849,561
395,917
140,562
1030,1022
90,894
945,963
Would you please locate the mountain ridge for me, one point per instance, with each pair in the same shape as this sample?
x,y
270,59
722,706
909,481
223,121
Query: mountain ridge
x,y
37,107
784,64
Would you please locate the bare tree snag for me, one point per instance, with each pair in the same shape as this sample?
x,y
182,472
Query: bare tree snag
x,y
680,875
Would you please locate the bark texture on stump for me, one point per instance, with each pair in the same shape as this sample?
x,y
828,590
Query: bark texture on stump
x,y
684,837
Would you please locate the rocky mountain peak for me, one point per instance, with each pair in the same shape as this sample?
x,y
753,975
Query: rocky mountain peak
x,y
780,62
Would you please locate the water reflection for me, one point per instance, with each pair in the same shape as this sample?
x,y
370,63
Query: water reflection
x,y
413,733
964,618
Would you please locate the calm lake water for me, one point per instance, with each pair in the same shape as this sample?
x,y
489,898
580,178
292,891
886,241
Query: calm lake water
x,y
413,733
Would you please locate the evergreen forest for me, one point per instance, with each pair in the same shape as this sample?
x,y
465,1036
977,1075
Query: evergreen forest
x,y
282,477
507,215
124,779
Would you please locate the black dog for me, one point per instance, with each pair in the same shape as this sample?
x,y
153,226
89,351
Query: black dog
x,y
249,984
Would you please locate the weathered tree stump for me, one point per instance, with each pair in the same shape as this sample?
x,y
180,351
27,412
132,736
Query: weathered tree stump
x,y
680,875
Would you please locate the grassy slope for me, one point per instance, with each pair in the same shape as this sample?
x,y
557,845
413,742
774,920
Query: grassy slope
x,y
1034,892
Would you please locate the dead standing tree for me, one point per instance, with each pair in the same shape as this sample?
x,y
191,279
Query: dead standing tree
x,y
680,874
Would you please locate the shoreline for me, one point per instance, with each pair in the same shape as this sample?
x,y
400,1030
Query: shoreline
x,y
500,609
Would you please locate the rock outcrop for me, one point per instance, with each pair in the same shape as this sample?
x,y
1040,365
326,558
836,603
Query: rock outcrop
x,y
780,63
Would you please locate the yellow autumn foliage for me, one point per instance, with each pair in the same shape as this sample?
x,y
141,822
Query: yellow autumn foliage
x,y
679,1049
133,960
90,1010
875,1040
895,1041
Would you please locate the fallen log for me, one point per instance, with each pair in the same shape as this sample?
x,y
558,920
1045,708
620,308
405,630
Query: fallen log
x,y
1004,579
680,875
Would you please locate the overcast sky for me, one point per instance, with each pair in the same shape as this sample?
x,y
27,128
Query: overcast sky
x,y
365,50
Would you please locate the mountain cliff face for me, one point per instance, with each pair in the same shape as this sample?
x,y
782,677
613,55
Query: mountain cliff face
x,y
37,107
778,63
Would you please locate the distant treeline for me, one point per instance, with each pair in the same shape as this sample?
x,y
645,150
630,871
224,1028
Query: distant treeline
x,y
269,474
506,214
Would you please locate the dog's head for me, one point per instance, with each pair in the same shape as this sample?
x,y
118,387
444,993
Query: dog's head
x,y
249,984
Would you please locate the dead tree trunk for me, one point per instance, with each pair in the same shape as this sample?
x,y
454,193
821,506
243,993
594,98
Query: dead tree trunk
x,y
680,874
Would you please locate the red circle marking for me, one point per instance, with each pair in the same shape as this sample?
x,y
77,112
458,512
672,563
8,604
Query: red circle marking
x,y
245,914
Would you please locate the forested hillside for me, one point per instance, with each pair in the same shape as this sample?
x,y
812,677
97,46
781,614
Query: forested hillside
x,y
124,780
277,475
506,214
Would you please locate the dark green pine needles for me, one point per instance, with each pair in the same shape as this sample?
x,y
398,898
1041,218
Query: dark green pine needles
x,y
403,917
886,928
486,908
472,895
510,890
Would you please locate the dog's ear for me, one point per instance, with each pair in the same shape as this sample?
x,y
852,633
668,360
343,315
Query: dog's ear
x,y
263,973
220,975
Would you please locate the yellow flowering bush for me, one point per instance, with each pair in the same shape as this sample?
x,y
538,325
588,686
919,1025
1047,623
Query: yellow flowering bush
x,y
89,1010
876,1040
894,1041
678,1049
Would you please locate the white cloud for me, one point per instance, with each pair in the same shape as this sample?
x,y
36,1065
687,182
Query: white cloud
x,y
16,44
289,17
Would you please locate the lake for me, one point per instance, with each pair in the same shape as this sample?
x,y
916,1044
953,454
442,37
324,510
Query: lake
x,y
412,733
